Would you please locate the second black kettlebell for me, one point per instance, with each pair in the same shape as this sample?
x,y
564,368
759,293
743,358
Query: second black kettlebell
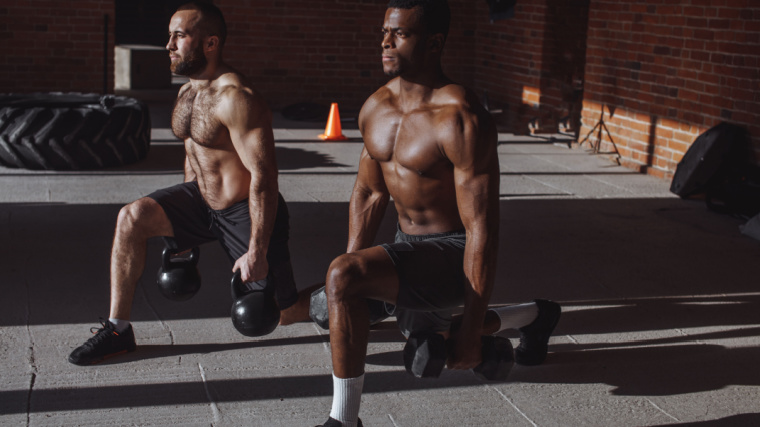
x,y
179,278
254,313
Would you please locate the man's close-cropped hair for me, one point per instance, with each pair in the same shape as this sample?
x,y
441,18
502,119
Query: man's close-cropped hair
x,y
435,13
212,21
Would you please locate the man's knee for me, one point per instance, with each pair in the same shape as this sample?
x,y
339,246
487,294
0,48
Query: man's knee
x,y
344,277
143,216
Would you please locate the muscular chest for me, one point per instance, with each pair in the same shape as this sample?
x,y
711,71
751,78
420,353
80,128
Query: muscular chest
x,y
194,117
410,141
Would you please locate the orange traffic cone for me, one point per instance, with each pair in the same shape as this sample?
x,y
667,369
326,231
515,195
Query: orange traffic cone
x,y
333,131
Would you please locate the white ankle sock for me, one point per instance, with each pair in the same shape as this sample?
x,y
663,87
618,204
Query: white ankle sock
x,y
119,325
516,316
347,395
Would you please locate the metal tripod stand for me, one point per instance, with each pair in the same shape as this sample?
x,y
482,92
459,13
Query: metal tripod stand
x,y
599,128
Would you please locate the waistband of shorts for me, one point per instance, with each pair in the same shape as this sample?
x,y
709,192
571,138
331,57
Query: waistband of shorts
x,y
243,204
229,209
420,237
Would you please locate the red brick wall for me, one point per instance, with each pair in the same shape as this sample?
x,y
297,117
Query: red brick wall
x,y
508,57
54,45
527,64
459,60
671,70
564,60
320,51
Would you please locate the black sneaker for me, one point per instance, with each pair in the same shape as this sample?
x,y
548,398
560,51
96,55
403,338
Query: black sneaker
x,y
106,343
534,338
332,422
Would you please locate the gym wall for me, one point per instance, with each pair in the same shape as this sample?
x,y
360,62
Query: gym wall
x,y
669,72
531,65
55,45
319,50
323,51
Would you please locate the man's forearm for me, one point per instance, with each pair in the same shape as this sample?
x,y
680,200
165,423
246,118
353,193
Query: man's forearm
x,y
262,202
479,200
366,212
479,267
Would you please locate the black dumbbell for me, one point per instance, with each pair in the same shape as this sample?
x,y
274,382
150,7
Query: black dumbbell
x,y
378,310
254,312
425,356
179,278
498,358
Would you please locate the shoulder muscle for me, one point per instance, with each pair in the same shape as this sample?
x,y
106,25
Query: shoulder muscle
x,y
472,134
241,106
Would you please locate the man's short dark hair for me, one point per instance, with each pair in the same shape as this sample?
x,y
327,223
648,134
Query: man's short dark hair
x,y
211,22
435,13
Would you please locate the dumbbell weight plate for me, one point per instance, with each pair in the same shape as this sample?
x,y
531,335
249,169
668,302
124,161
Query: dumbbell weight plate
x,y
498,359
425,354
378,310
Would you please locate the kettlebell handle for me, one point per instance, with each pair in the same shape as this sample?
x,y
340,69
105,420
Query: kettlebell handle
x,y
239,288
192,259
237,280
194,255
236,285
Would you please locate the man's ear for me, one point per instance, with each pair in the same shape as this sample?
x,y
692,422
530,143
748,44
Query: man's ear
x,y
435,43
211,44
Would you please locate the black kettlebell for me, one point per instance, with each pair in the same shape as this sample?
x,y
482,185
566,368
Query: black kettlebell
x,y
179,279
254,313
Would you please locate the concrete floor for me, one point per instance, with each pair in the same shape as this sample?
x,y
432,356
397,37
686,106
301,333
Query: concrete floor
x,y
660,300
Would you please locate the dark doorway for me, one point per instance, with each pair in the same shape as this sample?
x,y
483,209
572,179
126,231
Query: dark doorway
x,y
144,21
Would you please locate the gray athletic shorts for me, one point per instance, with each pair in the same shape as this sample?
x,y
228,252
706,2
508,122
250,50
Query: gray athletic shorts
x,y
195,223
431,279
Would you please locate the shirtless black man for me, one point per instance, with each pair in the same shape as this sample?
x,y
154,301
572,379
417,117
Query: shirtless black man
x,y
230,193
430,145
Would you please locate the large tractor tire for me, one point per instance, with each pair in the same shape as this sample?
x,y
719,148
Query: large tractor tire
x,y
72,131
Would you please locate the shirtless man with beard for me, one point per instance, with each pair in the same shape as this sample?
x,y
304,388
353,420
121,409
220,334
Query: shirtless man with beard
x,y
230,193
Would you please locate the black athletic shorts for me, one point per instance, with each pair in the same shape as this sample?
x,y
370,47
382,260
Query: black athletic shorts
x,y
195,223
431,279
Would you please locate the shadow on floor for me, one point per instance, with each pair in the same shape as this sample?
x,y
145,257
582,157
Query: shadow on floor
x,y
653,371
169,158
624,265
647,264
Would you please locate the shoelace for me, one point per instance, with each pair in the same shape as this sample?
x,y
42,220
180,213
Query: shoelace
x,y
100,334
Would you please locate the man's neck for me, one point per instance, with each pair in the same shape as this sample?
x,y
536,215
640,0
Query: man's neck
x,y
209,73
418,88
